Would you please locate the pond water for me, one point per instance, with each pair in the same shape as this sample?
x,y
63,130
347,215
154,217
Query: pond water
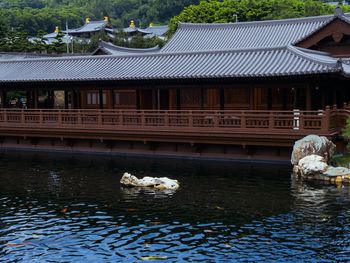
x,y
56,209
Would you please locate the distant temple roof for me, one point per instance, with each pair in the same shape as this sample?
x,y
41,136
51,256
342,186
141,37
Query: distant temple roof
x,y
151,31
273,33
24,55
241,63
107,48
89,27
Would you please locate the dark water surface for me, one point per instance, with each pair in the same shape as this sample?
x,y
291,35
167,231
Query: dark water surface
x,y
75,210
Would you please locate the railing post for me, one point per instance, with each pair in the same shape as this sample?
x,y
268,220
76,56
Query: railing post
x,y
243,120
79,117
99,117
301,121
166,119
5,115
216,119
190,119
120,117
143,120
271,121
325,120
41,117
22,116
59,117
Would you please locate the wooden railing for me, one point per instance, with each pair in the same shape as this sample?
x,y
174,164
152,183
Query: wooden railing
x,y
321,121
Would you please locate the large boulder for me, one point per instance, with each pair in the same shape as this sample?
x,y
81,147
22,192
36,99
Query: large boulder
x,y
162,183
312,144
311,165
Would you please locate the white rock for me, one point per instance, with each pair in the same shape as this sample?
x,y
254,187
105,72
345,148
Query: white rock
x,y
162,183
337,171
312,165
312,144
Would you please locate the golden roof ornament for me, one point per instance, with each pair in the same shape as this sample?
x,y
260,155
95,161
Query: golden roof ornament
x,y
132,24
106,18
87,20
57,29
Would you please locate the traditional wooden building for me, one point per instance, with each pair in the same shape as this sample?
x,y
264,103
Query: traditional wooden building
x,y
238,90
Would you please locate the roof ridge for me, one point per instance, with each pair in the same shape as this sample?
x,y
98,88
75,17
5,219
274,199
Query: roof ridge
x,y
156,54
330,61
256,23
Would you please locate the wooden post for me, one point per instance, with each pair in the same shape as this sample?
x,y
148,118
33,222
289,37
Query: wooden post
x,y
22,116
143,121
112,99
138,99
178,99
4,99
269,98
325,120
121,119
41,117
216,119
35,99
99,117
100,98
166,119
222,99
243,120
271,121
301,121
66,105
190,118
79,117
59,117
308,97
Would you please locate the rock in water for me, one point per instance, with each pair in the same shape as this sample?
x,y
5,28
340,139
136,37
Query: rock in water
x,y
312,144
337,171
162,183
311,165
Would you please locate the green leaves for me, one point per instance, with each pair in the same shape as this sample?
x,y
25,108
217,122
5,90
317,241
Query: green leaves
x,y
249,10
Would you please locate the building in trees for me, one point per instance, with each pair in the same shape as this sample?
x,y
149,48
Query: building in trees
x,y
238,90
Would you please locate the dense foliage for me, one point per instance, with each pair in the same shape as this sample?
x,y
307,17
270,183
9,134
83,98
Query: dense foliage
x,y
34,15
250,10
22,18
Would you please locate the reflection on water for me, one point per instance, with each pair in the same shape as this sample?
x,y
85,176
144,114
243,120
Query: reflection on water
x,y
64,209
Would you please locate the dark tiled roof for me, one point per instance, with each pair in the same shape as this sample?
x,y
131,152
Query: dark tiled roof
x,y
196,37
266,62
111,49
92,26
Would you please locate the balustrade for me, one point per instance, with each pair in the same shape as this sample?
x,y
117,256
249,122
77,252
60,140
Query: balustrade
x,y
308,121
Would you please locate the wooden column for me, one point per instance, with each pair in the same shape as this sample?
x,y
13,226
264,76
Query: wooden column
x,y
4,99
49,99
100,98
178,99
154,100
112,99
66,106
138,99
35,99
284,96
28,99
222,99
308,97
201,99
78,99
269,98
158,98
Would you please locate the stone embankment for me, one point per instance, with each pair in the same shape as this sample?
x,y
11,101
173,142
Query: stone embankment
x,y
311,160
